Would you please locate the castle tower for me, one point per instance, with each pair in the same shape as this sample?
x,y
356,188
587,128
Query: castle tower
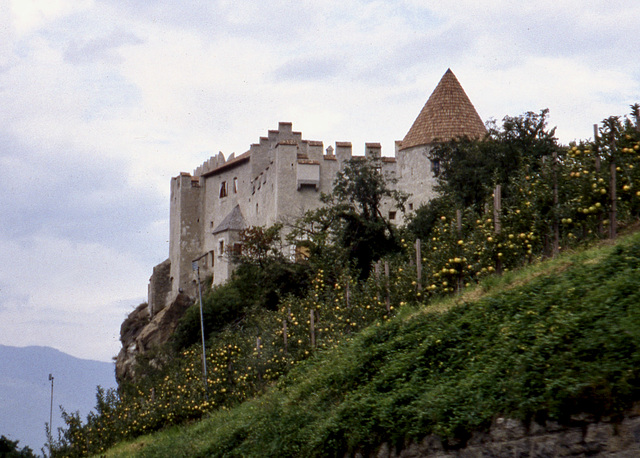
x,y
185,237
447,115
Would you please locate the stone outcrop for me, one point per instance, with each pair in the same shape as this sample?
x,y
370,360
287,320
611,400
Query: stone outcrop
x,y
159,290
581,437
139,333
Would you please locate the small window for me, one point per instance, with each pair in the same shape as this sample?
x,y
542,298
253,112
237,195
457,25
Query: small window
x,y
435,167
221,247
235,185
223,189
392,216
410,206
256,209
237,249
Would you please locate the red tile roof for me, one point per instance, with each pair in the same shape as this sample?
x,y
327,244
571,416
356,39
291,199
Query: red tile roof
x,y
448,114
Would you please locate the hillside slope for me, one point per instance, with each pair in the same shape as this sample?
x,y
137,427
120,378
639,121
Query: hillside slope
x,y
544,343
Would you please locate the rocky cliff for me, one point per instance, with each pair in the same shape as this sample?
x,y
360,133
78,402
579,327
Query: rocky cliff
x,y
140,333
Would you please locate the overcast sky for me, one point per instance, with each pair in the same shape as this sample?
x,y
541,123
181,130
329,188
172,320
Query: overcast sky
x,y
103,101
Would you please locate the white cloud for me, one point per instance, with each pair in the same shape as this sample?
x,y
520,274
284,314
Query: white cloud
x,y
68,295
33,266
104,101
576,94
30,15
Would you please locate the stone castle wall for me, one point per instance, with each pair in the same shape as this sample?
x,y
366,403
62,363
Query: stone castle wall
x,y
276,180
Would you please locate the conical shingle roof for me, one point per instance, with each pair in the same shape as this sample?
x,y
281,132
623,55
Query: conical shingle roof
x,y
448,114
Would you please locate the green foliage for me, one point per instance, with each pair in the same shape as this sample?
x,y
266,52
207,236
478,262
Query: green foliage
x,y
272,282
259,324
567,342
425,218
220,306
362,186
263,278
469,169
98,433
9,449
260,245
352,217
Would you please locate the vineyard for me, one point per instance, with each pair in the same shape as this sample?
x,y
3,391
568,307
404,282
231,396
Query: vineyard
x,y
550,201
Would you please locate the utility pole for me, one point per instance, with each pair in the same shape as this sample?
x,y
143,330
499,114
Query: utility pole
x,y
196,268
51,417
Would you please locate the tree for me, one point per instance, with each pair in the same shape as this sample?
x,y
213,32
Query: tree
x,y
264,275
260,246
425,218
9,449
471,168
351,225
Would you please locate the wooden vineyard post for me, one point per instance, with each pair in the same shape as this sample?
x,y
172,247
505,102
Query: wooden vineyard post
x,y
614,210
459,229
259,352
312,328
497,206
386,284
595,142
376,269
556,225
348,293
613,214
284,334
596,152
418,265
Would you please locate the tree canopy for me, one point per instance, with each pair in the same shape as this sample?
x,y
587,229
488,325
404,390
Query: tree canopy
x,y
352,218
469,169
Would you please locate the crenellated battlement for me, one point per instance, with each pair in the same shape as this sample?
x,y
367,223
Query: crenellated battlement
x,y
262,154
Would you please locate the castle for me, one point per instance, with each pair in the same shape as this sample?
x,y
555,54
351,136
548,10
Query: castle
x,y
281,177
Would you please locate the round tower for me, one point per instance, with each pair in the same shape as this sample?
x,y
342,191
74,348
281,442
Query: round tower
x,y
447,115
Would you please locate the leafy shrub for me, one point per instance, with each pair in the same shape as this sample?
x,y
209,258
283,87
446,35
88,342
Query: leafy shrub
x,y
220,306
9,449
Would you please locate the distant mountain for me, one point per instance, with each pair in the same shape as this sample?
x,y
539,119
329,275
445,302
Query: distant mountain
x,y
25,390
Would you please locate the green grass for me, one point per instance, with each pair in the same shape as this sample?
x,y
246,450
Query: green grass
x,y
549,341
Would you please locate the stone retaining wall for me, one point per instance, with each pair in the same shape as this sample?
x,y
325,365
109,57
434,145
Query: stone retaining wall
x,y
582,437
